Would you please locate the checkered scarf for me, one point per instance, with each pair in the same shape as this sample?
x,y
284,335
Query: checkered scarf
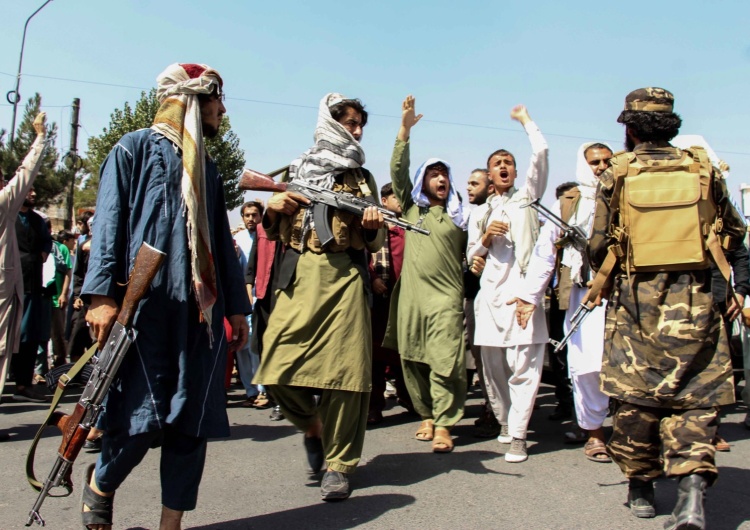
x,y
334,152
179,119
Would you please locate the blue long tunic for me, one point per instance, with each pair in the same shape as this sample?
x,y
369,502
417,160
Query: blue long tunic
x,y
171,375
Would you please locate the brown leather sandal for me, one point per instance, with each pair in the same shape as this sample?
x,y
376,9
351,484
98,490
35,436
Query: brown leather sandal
x,y
442,441
425,432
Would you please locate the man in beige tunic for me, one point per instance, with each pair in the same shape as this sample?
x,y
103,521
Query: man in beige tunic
x,y
317,354
12,195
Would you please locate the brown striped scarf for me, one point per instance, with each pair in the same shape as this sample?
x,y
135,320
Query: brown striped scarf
x,y
179,119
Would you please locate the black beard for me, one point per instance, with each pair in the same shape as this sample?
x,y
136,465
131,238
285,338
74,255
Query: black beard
x,y
210,132
29,204
629,143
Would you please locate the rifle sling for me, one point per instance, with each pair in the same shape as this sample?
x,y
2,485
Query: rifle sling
x,y
59,392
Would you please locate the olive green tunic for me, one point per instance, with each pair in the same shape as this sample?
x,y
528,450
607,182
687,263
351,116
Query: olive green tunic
x,y
319,333
426,314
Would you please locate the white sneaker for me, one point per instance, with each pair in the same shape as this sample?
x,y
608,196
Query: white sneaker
x,y
504,437
517,452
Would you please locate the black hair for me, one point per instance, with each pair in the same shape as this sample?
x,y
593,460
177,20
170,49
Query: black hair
x,y
501,152
565,186
386,190
436,165
596,146
65,235
251,204
338,111
651,126
85,216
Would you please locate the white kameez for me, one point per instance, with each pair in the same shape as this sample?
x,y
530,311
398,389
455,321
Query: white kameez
x,y
584,359
495,320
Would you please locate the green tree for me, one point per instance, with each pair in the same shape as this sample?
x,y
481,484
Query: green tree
x,y
51,181
224,149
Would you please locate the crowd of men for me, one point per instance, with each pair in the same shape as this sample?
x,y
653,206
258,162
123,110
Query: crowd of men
x,y
318,326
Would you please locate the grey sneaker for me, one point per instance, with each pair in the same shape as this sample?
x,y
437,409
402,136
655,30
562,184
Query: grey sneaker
x,y
747,419
335,486
517,452
505,437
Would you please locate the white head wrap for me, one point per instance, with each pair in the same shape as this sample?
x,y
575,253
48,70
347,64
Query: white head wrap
x,y
452,205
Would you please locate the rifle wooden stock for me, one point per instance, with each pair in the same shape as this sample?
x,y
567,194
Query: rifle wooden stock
x,y
147,263
73,433
76,426
252,180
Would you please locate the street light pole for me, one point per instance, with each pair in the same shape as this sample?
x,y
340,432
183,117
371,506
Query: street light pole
x,y
16,97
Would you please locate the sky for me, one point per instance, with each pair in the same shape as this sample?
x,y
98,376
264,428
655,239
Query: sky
x,y
467,64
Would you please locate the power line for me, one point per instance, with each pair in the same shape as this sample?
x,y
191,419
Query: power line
x,y
294,105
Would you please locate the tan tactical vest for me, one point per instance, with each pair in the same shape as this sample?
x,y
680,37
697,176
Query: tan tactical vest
x,y
665,212
345,227
568,205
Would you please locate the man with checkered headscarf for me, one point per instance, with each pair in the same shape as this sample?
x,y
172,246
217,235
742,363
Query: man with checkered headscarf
x,y
158,186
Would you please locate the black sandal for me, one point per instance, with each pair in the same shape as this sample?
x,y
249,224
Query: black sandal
x,y
100,507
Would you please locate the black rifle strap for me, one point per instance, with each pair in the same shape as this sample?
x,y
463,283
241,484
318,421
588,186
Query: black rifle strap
x,y
59,392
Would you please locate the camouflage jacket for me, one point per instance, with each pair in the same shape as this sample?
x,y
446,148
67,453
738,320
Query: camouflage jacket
x,y
665,344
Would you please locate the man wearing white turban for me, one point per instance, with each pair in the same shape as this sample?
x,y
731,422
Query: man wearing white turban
x,y
551,255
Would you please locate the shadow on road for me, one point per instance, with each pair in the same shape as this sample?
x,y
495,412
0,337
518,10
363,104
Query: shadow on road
x,y
355,512
262,433
411,468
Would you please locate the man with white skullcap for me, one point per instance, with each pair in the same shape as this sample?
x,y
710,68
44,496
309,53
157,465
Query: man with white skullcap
x,y
158,186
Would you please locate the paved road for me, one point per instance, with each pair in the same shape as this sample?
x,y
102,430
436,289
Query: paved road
x,y
256,480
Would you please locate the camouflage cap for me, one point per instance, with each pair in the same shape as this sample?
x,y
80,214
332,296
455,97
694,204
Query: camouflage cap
x,y
650,99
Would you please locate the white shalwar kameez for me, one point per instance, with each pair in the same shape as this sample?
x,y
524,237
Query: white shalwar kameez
x,y
584,360
512,357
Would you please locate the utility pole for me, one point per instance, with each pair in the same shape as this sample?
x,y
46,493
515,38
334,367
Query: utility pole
x,y
73,163
13,96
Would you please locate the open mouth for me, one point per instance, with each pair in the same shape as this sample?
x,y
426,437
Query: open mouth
x,y
442,189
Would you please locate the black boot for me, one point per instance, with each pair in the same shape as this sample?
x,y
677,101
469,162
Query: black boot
x,y
688,513
641,498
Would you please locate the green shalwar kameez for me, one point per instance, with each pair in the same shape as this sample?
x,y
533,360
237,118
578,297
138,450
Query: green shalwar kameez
x,y
426,314
319,341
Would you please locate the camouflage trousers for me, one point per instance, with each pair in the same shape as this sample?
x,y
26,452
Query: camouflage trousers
x,y
648,441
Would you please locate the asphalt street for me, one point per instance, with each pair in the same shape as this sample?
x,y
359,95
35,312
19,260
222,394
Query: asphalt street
x,y
256,480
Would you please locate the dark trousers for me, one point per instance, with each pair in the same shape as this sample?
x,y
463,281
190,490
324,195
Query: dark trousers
x,y
80,338
22,363
559,361
182,460
394,371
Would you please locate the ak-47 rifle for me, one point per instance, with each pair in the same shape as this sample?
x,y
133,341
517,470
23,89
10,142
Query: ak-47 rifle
x,y
575,322
574,236
321,199
76,426
571,235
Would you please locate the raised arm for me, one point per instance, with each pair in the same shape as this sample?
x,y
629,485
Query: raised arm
x,y
400,179
538,172
15,190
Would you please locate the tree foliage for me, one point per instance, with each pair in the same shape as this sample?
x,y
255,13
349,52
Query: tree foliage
x,y
50,181
224,149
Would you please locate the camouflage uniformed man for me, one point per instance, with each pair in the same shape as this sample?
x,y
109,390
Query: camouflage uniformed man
x,y
666,355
